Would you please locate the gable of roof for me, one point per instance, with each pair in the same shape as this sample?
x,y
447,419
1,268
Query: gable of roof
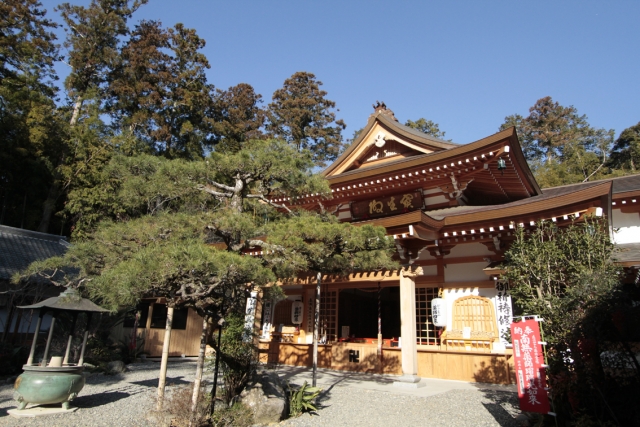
x,y
19,248
383,125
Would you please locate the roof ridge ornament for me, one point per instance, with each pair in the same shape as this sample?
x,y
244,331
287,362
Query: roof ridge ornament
x,y
381,107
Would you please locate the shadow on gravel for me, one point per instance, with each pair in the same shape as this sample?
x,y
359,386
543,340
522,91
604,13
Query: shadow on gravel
x,y
99,399
147,366
495,375
500,399
154,382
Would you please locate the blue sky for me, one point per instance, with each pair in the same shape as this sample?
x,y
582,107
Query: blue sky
x,y
463,64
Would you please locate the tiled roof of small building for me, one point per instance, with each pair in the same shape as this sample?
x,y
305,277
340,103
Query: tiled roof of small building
x,y
627,253
19,248
547,193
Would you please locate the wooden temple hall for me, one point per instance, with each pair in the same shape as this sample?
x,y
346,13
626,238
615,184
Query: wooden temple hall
x,y
452,210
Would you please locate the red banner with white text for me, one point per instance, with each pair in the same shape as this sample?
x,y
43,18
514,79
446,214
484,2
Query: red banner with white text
x,y
528,363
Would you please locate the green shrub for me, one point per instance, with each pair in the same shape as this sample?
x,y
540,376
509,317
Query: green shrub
x,y
236,416
301,400
176,408
238,357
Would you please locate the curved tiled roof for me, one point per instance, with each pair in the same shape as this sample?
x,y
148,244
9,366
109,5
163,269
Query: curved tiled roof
x,y
557,193
19,248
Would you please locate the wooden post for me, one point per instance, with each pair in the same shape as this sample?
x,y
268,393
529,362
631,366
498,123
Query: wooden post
x,y
379,331
409,350
73,328
165,358
199,369
217,366
46,349
35,337
84,339
316,326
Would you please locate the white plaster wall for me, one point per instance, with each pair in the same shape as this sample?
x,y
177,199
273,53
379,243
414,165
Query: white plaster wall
x,y
433,200
430,270
469,249
346,214
627,226
465,272
427,191
621,219
627,235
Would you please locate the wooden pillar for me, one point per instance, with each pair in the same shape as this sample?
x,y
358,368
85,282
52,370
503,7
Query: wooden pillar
x,y
409,349
147,330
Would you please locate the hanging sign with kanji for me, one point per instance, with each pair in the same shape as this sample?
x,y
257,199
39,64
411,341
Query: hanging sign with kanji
x,y
528,363
385,206
503,308
297,309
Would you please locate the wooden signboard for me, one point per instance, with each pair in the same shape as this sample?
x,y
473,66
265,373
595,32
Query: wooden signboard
x,y
385,206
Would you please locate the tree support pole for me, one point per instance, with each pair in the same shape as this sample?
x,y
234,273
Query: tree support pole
x,y
199,368
379,330
162,380
217,367
316,326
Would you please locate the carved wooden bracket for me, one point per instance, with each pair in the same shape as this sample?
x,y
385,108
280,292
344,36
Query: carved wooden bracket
x,y
456,189
406,272
410,250
440,251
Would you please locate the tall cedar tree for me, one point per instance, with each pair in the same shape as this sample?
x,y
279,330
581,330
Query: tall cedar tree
x,y
93,43
301,115
238,117
560,145
29,126
138,85
185,125
159,91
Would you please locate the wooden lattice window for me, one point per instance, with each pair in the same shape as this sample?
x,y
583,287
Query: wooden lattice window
x,y
425,331
329,315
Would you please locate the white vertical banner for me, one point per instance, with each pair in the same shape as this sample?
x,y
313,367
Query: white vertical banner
x,y
250,316
503,308
267,319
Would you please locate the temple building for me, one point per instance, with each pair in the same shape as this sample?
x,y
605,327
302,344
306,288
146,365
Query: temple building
x,y
452,211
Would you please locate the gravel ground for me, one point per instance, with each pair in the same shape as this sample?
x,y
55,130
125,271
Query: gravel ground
x,y
108,400
455,408
128,399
